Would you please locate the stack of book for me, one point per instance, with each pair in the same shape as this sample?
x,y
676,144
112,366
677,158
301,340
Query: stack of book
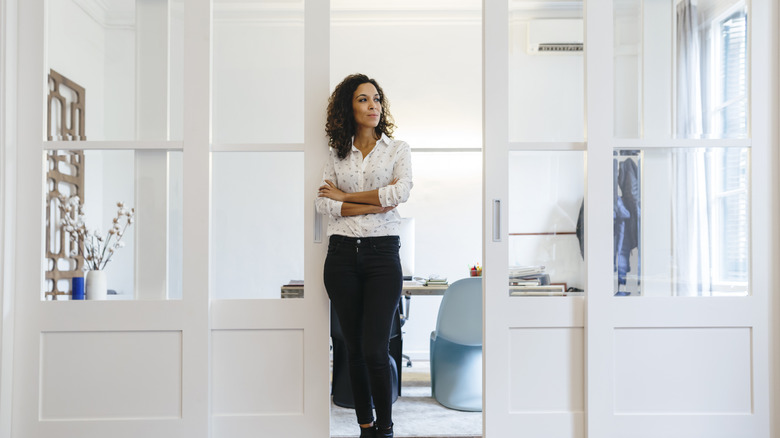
x,y
436,281
532,281
293,289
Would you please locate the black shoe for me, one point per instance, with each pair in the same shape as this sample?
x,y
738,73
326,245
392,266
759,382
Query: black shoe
x,y
367,432
384,433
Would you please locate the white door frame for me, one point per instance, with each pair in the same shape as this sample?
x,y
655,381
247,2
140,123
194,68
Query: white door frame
x,y
8,64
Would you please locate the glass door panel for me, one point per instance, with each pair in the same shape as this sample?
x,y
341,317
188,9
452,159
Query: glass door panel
x,y
546,71
682,222
545,223
119,211
628,68
257,225
681,69
115,70
258,72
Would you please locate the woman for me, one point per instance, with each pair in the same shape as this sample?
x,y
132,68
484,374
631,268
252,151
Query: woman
x,y
367,175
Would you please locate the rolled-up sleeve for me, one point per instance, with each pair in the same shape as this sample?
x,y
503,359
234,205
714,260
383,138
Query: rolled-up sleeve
x,y
327,206
398,193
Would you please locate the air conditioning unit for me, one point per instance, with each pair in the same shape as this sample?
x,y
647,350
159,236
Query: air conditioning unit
x,y
550,36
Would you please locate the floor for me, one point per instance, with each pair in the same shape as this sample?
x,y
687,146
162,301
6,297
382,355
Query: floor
x,y
416,413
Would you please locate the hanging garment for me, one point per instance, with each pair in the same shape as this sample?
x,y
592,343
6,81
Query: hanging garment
x,y
626,213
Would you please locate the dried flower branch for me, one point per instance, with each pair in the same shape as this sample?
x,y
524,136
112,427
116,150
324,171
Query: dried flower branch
x,y
96,248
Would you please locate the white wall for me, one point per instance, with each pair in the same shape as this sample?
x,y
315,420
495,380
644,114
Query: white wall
x,y
108,179
430,72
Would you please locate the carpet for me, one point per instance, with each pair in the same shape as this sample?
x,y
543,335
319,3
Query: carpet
x,y
416,413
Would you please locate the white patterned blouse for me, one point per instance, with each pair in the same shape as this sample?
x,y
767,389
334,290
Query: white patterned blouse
x,y
388,160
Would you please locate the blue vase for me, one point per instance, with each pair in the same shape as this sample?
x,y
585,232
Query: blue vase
x,y
78,288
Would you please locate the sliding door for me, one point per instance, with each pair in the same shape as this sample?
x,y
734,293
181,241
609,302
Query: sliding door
x,y
535,284
111,174
269,310
677,334
147,127
663,195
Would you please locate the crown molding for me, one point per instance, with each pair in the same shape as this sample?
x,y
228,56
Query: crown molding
x,y
107,14
352,12
112,14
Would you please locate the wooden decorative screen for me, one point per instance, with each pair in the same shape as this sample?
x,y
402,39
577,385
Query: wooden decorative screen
x,y
64,176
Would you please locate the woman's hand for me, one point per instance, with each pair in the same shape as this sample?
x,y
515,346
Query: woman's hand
x,y
385,209
329,190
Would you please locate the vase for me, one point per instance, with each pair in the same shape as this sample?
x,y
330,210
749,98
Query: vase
x,y
96,285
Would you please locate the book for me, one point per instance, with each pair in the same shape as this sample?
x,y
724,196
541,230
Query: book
x,y
522,271
294,283
539,290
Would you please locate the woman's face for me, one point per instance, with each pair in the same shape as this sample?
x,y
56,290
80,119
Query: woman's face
x,y
365,106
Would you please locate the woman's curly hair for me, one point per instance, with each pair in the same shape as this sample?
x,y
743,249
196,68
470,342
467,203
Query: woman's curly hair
x,y
340,125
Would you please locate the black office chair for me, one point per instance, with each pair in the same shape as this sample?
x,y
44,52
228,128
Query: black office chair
x,y
341,387
404,318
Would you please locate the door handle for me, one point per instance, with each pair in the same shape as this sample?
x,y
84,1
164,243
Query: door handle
x,y
496,220
317,227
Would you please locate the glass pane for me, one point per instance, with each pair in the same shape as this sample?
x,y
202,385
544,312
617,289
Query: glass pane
x,y
711,55
115,211
545,223
682,222
108,61
628,68
694,51
546,71
257,71
257,224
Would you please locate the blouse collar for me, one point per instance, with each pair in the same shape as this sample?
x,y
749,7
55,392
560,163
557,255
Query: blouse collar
x,y
382,139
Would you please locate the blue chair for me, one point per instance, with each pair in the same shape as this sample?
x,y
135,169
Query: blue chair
x,y
456,347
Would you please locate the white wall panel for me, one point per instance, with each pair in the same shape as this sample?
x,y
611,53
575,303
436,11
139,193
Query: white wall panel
x,y
257,372
546,370
683,370
111,375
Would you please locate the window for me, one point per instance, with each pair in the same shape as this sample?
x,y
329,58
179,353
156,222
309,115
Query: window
x,y
729,166
729,51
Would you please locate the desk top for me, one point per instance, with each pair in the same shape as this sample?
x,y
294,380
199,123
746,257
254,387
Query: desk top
x,y
409,289
418,289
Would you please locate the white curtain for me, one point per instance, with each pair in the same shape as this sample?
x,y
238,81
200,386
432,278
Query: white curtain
x,y
690,210
689,103
691,264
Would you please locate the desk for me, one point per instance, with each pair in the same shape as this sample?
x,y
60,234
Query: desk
x,y
414,288
409,290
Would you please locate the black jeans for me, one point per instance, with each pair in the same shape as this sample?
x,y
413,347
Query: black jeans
x,y
363,278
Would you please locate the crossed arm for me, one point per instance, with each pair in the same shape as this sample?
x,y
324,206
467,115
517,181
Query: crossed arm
x,y
354,204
